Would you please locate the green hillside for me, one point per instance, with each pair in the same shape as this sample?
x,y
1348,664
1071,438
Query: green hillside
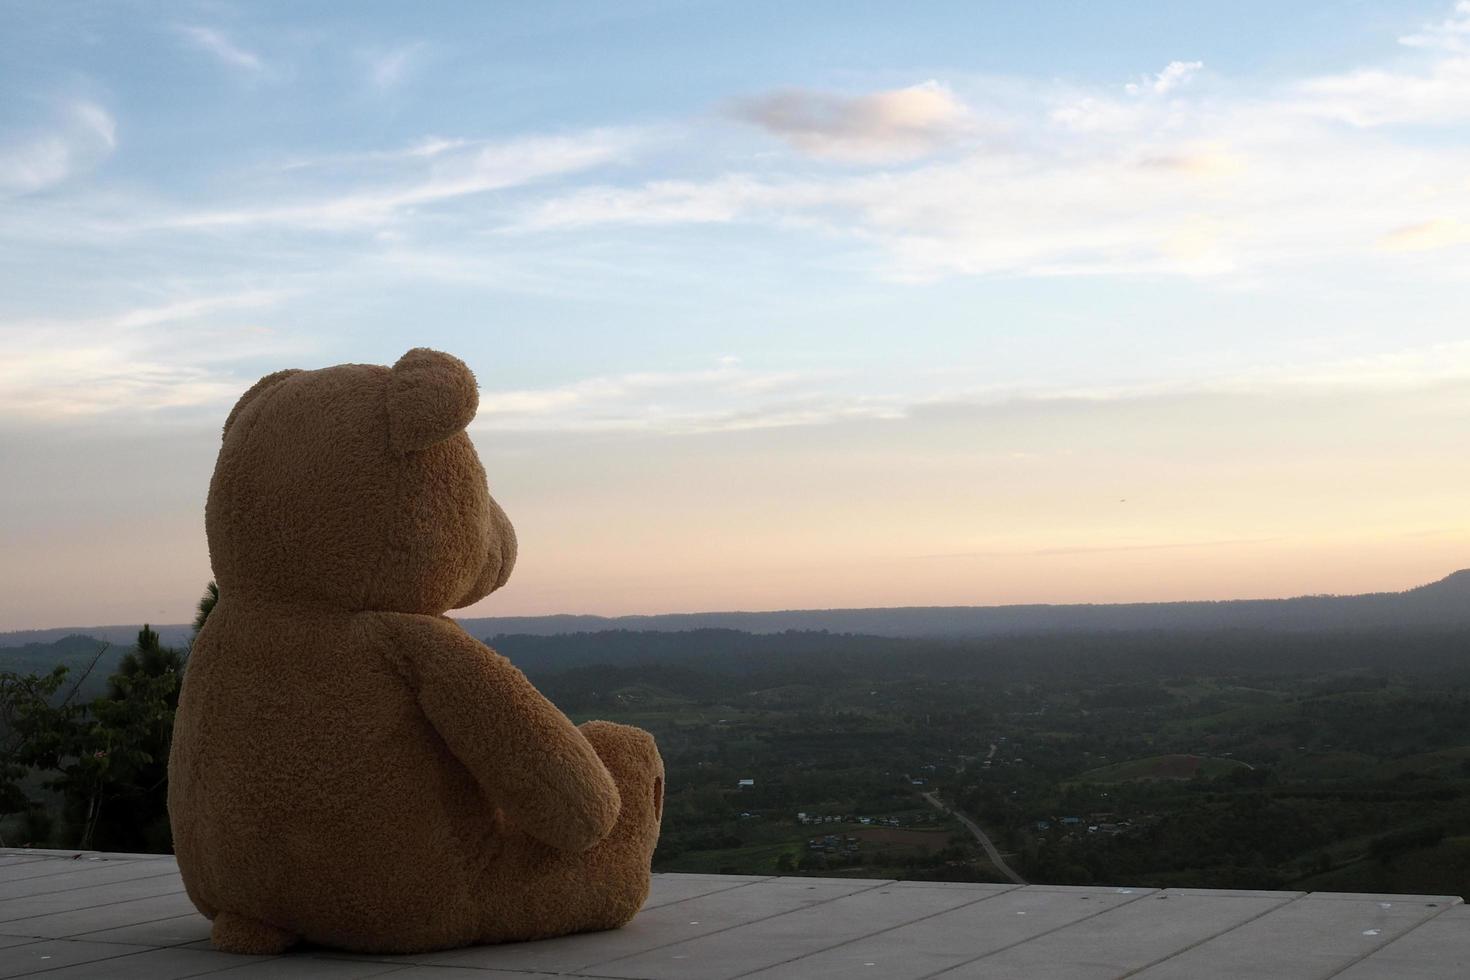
x,y
1162,767
73,652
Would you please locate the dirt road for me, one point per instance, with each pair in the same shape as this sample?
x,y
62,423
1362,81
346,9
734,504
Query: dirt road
x,y
985,841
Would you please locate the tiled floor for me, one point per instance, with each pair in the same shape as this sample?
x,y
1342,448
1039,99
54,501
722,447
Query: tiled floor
x,y
116,917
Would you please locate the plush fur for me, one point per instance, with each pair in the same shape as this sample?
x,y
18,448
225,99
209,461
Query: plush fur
x,y
349,767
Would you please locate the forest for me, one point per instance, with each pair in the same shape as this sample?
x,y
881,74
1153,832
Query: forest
x,y
1240,759
1227,758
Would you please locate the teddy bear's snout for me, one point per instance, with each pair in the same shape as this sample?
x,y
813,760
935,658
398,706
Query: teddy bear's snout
x,y
502,546
499,565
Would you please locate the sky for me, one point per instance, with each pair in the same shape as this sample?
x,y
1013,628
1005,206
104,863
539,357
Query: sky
x,y
771,305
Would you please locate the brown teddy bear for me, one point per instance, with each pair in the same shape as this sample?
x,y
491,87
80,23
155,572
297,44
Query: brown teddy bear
x,y
349,766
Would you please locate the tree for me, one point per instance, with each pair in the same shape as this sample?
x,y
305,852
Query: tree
x,y
38,729
108,759
207,603
149,658
32,725
124,758
116,752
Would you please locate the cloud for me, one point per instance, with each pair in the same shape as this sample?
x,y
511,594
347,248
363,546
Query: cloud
x,y
1439,92
731,397
656,203
1233,180
1101,549
1373,97
215,43
898,124
725,398
455,169
1451,34
1425,235
387,69
1175,74
1229,191
1240,180
83,136
177,355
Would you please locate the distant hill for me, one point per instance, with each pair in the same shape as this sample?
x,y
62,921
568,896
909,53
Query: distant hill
x,y
173,635
1445,603
1442,604
76,652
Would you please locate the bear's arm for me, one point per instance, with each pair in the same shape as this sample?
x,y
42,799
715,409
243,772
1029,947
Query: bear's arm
x,y
526,755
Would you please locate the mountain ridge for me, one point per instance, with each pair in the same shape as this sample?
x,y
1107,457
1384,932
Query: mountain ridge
x,y
1441,603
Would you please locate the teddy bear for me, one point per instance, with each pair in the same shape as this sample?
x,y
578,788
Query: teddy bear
x,y
349,767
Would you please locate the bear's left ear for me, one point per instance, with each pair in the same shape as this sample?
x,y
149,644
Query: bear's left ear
x,y
431,396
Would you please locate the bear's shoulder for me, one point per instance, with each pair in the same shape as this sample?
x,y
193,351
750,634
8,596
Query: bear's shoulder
x,y
413,641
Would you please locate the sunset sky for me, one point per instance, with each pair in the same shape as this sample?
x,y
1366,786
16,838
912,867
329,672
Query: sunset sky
x,y
772,305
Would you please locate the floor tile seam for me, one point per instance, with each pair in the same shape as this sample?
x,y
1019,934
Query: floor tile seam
x,y
196,914
250,961
93,884
1381,947
513,970
76,854
870,935
67,867
667,905
717,891
738,925
80,937
253,960
1039,935
1213,936
88,908
33,854
67,966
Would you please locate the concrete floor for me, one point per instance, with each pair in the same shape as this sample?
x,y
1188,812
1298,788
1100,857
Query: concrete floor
x,y
116,917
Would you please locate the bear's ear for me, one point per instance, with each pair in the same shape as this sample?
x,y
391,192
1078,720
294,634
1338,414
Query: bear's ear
x,y
431,397
256,390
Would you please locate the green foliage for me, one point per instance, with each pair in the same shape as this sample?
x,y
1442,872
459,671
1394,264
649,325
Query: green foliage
x,y
1221,759
34,729
106,760
1213,759
206,606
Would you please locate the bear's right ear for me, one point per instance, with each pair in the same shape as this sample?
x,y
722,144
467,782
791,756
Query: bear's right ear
x,y
256,390
431,397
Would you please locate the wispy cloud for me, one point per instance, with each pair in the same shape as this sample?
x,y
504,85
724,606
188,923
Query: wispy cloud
x,y
1219,180
83,136
1426,235
1174,174
177,355
731,397
1102,549
389,68
899,124
659,202
724,398
214,42
1437,93
1450,34
1175,74
454,169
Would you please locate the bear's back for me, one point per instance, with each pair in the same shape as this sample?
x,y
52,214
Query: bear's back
x,y
302,766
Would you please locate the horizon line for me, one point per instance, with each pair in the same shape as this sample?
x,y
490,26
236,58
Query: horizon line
x,y
80,630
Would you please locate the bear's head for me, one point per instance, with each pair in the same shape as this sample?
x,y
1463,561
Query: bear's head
x,y
357,488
